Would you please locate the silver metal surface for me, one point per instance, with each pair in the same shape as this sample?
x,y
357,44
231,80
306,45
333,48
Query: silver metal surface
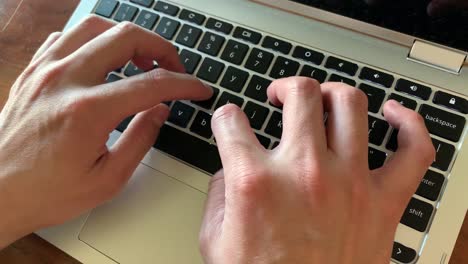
x,y
437,56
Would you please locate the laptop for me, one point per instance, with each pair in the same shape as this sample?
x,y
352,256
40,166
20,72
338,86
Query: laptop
x,y
411,51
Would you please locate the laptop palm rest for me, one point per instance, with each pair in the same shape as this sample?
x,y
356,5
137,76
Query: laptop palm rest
x,y
155,220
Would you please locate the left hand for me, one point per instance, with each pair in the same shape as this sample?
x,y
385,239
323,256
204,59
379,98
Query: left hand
x,y
54,161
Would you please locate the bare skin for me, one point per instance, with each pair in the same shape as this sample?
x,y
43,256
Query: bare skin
x,y
311,200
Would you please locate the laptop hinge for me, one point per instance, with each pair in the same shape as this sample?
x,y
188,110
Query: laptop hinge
x,y
437,56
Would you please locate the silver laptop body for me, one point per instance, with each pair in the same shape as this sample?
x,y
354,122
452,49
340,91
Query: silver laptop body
x,y
157,217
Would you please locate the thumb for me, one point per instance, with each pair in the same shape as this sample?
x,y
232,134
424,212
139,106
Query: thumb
x,y
214,214
136,140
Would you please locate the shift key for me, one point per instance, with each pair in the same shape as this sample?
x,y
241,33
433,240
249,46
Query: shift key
x,y
442,123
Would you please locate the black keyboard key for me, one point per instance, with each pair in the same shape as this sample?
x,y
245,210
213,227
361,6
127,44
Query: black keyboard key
x,y
283,68
167,28
315,73
444,154
227,98
192,17
194,151
277,45
210,70
259,60
247,35
188,36
202,125
234,52
146,19
211,43
106,8
403,254
220,26
112,78
166,8
308,55
125,13
256,114
376,158
451,101
257,88
234,79
181,114
377,130
413,89
341,65
375,97
392,143
145,3
275,125
417,215
404,101
132,70
378,77
263,140
208,104
190,60
441,123
338,78
431,185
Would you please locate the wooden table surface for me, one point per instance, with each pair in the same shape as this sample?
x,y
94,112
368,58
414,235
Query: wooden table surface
x,y
24,25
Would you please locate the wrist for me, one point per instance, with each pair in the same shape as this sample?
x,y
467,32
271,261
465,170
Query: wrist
x,y
16,218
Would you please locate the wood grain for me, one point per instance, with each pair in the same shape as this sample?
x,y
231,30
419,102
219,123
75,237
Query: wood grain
x,y
32,22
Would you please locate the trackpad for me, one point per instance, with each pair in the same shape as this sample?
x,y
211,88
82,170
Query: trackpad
x,y
155,220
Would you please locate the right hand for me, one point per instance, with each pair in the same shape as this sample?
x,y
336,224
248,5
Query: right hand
x,y
312,199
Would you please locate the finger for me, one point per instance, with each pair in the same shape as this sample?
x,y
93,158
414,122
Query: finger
x,y
46,45
91,27
138,93
237,144
302,112
134,143
126,40
403,172
213,216
347,121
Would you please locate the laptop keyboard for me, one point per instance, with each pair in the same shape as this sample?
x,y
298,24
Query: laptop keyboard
x,y
240,63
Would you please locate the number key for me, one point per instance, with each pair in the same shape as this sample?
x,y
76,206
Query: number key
x,y
284,68
259,60
234,52
211,43
188,36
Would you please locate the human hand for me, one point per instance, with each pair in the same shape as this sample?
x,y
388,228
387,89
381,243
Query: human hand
x,y
54,161
312,199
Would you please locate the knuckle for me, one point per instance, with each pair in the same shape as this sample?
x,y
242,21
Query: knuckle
x,y
303,86
252,181
54,36
225,113
126,28
75,106
91,21
157,74
349,95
